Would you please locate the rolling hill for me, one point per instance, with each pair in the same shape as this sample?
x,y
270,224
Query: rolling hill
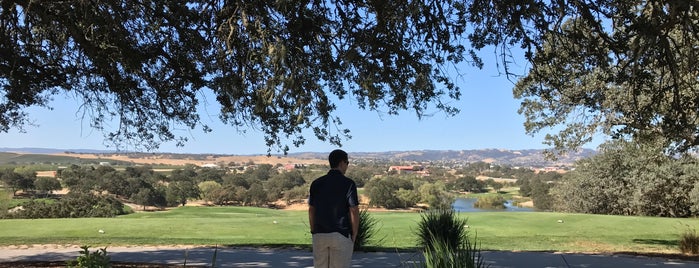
x,y
530,158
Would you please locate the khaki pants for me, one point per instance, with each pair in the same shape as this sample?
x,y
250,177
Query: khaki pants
x,y
332,250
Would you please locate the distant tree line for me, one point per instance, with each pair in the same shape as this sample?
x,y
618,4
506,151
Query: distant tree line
x,y
102,187
623,179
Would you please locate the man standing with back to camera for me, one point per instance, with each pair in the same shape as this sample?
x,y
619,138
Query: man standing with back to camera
x,y
333,213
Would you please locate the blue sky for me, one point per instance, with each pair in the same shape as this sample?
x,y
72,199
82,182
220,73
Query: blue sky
x,y
488,119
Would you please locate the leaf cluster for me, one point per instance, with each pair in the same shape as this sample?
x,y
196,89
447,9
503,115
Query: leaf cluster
x,y
275,66
626,69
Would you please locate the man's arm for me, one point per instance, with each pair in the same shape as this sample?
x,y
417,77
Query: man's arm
x,y
311,216
354,218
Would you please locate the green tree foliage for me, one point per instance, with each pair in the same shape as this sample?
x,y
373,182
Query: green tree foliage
x,y
383,192
630,179
468,184
276,65
296,193
178,192
261,172
360,175
407,197
78,178
236,180
150,196
279,183
436,195
47,184
497,185
17,181
5,199
139,172
694,194
210,174
540,194
72,205
116,183
256,195
474,169
227,195
627,69
490,202
207,189
186,174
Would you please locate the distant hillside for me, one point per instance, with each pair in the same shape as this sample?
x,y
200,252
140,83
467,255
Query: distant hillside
x,y
37,158
52,151
529,158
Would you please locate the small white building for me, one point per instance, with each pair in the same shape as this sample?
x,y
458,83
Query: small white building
x,y
210,165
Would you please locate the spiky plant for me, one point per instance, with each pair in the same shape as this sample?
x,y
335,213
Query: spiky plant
x,y
441,225
368,231
441,255
689,242
445,243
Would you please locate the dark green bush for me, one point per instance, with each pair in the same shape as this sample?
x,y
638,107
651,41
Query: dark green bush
x,y
490,202
72,205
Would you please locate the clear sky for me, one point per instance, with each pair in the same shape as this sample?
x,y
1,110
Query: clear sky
x,y
488,119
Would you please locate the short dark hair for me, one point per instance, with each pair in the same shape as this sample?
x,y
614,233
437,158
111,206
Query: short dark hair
x,y
336,157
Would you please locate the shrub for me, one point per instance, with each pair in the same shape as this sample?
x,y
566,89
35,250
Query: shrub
x,y
441,225
72,205
87,259
490,202
441,255
368,231
445,241
689,242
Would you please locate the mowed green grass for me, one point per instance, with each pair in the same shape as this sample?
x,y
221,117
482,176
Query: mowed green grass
x,y
229,226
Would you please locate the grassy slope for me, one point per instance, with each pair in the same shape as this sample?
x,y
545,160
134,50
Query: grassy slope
x,y
255,226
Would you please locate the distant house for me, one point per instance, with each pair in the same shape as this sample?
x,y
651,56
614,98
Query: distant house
x,y
420,170
210,165
290,167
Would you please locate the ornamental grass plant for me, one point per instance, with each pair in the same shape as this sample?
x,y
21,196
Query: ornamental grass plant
x,y
689,242
368,233
442,225
445,242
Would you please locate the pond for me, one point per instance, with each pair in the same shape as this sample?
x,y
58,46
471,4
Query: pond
x,y
466,205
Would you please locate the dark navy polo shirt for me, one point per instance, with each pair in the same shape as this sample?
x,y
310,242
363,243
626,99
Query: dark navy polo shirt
x,y
332,195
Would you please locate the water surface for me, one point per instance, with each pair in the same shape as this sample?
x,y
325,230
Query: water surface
x,y
466,205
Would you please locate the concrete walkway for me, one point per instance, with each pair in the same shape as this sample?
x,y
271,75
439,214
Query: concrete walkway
x,y
276,257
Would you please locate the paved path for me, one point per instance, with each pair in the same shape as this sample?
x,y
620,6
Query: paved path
x,y
261,257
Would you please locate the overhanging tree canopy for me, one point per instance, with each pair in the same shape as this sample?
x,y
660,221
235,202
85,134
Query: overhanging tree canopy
x,y
627,68
272,65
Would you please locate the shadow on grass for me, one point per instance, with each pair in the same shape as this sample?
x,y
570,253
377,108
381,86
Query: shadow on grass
x,y
658,242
